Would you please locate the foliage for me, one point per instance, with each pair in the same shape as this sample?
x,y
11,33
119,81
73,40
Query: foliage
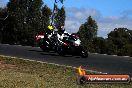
x,y
99,44
45,19
126,50
60,17
119,41
3,16
121,38
26,18
3,13
87,32
111,49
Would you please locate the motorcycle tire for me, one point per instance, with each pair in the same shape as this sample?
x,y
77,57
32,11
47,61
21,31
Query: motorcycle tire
x,y
60,51
45,49
84,54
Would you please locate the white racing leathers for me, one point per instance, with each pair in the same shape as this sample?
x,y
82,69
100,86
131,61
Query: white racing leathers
x,y
60,37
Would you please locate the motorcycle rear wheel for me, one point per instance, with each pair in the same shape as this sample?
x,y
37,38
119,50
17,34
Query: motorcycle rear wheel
x,y
45,49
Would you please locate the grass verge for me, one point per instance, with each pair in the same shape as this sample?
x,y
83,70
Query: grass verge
x,y
18,73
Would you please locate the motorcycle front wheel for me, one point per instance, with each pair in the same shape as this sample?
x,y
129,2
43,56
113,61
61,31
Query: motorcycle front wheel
x,y
84,54
60,51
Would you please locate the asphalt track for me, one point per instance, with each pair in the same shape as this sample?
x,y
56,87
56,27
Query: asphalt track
x,y
97,62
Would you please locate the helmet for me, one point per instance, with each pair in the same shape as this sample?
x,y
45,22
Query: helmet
x,y
60,26
50,27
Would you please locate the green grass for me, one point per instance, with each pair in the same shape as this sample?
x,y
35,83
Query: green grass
x,y
18,73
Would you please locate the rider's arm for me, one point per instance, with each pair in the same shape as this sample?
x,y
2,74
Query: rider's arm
x,y
66,33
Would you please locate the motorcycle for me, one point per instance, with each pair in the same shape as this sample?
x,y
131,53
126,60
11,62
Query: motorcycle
x,y
69,45
72,45
46,43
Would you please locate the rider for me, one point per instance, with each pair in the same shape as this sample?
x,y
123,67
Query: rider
x,y
50,30
62,32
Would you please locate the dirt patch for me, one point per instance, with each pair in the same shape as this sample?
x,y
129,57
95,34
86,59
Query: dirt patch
x,y
6,66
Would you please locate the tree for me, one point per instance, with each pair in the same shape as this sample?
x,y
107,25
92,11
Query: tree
x,y
24,21
9,32
88,30
33,19
3,13
99,44
120,37
110,47
60,17
45,21
92,26
15,30
3,16
126,50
